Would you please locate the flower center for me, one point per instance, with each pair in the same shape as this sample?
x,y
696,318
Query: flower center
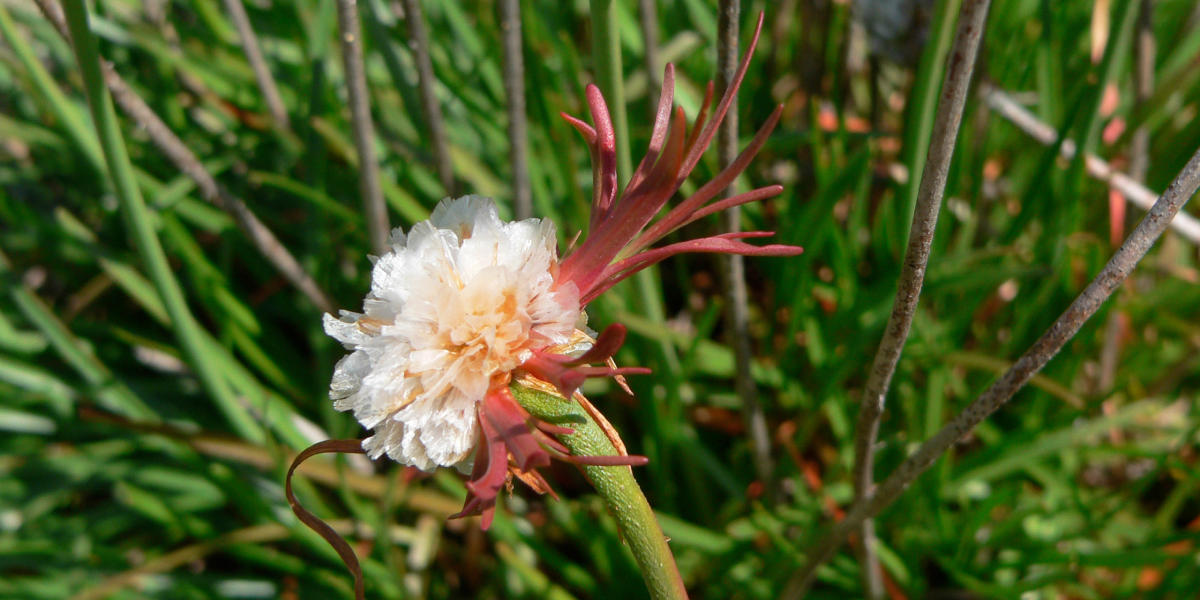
x,y
480,330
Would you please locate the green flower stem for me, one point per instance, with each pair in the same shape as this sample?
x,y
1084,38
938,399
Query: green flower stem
x,y
618,488
140,227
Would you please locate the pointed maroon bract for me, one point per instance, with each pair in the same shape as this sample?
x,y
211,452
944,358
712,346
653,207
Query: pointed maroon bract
x,y
620,230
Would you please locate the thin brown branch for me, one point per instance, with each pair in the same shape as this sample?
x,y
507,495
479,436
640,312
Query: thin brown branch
x,y
734,270
419,43
364,131
187,163
957,82
1000,392
1004,105
262,74
514,86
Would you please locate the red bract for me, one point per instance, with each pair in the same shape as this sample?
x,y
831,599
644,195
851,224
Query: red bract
x,y
505,429
620,234
567,373
512,441
620,230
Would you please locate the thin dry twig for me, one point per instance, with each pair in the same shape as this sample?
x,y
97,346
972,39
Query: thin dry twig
x,y
734,269
419,43
364,131
953,98
187,162
514,86
1004,105
1000,392
262,74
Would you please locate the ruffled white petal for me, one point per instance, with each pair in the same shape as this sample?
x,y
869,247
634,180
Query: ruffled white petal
x,y
348,375
344,329
458,303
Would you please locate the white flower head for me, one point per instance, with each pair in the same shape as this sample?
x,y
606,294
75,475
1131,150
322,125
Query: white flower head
x,y
465,301
466,304
454,308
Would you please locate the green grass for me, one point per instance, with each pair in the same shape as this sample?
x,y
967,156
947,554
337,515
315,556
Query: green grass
x,y
127,441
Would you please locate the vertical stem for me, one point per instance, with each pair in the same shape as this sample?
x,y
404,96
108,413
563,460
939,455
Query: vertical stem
x,y
364,131
1143,75
606,52
141,230
1002,390
639,527
912,273
419,42
921,110
262,74
514,86
648,17
734,272
1139,149
1110,353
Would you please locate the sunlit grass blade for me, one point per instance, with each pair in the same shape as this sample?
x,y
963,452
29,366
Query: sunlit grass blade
x,y
140,228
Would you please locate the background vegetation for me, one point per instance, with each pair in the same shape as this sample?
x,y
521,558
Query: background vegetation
x,y
122,476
